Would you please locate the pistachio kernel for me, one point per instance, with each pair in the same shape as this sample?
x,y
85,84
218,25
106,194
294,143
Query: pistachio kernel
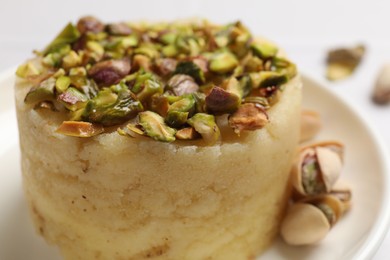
x,y
155,127
79,129
109,72
249,116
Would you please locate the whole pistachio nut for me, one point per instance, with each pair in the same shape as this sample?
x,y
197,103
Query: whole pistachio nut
x,y
223,62
155,127
109,72
381,93
79,129
89,24
206,126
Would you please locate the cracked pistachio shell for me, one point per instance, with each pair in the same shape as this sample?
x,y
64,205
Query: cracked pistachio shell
x,y
155,127
343,192
327,158
43,92
223,62
264,50
220,101
304,224
206,126
311,124
79,129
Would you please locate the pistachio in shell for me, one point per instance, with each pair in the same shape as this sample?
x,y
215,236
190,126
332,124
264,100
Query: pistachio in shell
x,y
309,221
249,116
109,72
154,126
206,126
317,168
342,62
223,62
79,129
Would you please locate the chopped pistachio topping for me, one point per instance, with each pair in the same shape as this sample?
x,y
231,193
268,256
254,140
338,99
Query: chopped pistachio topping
x,y
174,78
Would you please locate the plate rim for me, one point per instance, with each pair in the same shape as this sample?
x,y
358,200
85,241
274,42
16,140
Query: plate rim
x,y
381,226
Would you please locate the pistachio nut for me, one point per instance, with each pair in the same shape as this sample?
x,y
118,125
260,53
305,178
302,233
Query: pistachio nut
x,y
155,127
182,84
187,133
120,29
89,24
341,62
223,62
206,126
264,50
190,68
248,116
67,36
166,66
109,72
317,168
220,101
79,129
308,222
26,70
381,93
43,92
310,124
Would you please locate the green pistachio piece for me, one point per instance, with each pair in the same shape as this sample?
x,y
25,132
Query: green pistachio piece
x,y
78,71
271,78
206,126
200,102
54,58
168,38
60,72
257,100
129,41
73,99
246,85
180,110
192,69
182,84
219,101
96,50
148,50
223,62
105,97
187,133
146,85
26,70
67,36
159,104
169,51
79,129
176,118
62,84
189,45
233,86
254,64
264,50
284,66
125,107
154,127
43,92
72,59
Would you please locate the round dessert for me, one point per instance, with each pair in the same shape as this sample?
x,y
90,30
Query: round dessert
x,y
165,140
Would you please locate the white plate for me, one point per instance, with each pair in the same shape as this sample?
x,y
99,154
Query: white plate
x,y
357,235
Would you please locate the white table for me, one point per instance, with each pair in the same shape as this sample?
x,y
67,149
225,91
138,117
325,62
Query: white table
x,y
306,29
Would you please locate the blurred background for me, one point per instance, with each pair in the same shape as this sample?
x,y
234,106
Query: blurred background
x,y
306,29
